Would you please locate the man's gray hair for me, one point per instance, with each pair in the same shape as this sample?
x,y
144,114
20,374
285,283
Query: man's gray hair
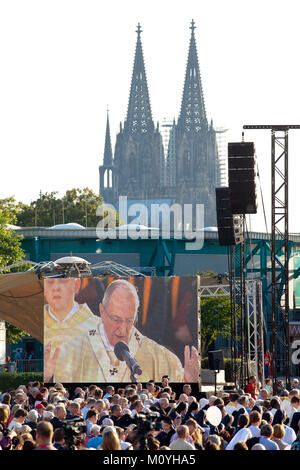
x,y
32,416
59,408
95,429
258,447
122,283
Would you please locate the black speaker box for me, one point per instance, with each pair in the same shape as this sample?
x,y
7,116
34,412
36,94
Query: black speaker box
x,y
230,228
216,360
241,149
243,197
238,163
224,212
241,177
226,236
247,174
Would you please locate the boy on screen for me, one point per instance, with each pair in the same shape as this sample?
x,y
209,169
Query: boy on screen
x,y
66,323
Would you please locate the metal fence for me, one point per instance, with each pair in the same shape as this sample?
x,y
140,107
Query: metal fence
x,y
23,365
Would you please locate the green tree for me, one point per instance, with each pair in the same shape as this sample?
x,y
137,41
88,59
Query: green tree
x,y
77,205
10,242
11,207
14,334
215,320
10,252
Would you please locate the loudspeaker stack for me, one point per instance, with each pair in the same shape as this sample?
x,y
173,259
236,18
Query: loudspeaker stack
x,y
240,197
230,227
241,176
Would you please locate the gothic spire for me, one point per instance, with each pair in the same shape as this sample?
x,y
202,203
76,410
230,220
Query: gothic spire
x,y
107,160
192,114
139,117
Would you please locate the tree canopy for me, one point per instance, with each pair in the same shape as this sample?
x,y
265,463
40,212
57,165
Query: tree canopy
x,y
76,205
10,242
10,252
215,320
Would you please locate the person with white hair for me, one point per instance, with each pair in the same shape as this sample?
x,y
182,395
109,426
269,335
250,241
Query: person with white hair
x,y
48,415
203,402
32,419
251,404
59,415
95,440
118,316
22,429
215,439
258,447
211,400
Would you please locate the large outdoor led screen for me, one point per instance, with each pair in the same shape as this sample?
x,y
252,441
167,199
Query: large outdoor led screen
x,y
103,329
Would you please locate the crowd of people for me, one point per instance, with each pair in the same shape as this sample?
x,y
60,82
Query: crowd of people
x,y
152,417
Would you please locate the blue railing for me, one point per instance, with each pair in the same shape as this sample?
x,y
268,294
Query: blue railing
x,y
23,365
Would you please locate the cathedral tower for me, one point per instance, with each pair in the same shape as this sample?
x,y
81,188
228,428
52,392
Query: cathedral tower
x,y
188,171
196,145
106,171
138,150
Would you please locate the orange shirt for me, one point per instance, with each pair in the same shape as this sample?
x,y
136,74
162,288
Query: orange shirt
x,y
251,389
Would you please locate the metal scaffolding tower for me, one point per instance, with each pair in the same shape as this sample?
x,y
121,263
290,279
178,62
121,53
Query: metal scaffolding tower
x,y
255,320
280,251
253,323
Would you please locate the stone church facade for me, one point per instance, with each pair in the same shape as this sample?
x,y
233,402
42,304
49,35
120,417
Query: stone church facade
x,y
187,172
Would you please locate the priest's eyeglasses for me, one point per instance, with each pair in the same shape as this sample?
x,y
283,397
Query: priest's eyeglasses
x,y
119,321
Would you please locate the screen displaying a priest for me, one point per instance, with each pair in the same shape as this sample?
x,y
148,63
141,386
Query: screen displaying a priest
x,y
121,330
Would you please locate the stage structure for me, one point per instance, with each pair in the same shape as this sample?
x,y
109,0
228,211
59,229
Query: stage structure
x,y
22,293
155,330
233,202
281,248
254,326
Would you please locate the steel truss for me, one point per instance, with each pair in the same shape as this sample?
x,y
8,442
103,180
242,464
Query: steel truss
x,y
253,323
280,251
255,320
238,309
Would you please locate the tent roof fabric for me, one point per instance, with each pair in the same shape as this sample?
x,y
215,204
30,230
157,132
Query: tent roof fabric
x,y
22,301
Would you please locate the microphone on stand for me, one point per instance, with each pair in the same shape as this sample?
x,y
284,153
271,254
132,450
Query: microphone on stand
x,y
122,352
